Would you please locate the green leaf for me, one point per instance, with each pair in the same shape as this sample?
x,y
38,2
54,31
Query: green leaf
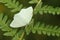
x,y
17,9
4,19
18,35
33,1
11,33
15,6
35,28
3,22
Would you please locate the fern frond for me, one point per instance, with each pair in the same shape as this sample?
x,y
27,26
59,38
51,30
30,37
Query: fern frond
x,y
44,9
10,33
3,23
49,9
46,29
41,28
19,35
12,4
4,26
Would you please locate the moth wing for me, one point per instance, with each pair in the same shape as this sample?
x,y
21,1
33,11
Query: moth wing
x,y
18,23
27,14
22,18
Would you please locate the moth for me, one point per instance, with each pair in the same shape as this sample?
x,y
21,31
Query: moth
x,y
22,18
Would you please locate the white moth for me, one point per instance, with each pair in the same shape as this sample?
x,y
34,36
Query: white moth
x,y
22,18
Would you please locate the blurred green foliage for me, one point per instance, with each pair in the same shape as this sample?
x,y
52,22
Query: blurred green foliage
x,y
46,14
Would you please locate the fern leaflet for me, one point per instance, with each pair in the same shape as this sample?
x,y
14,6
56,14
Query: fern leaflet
x,y
12,4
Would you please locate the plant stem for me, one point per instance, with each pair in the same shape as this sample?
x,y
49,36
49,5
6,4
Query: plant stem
x,y
37,4
21,38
